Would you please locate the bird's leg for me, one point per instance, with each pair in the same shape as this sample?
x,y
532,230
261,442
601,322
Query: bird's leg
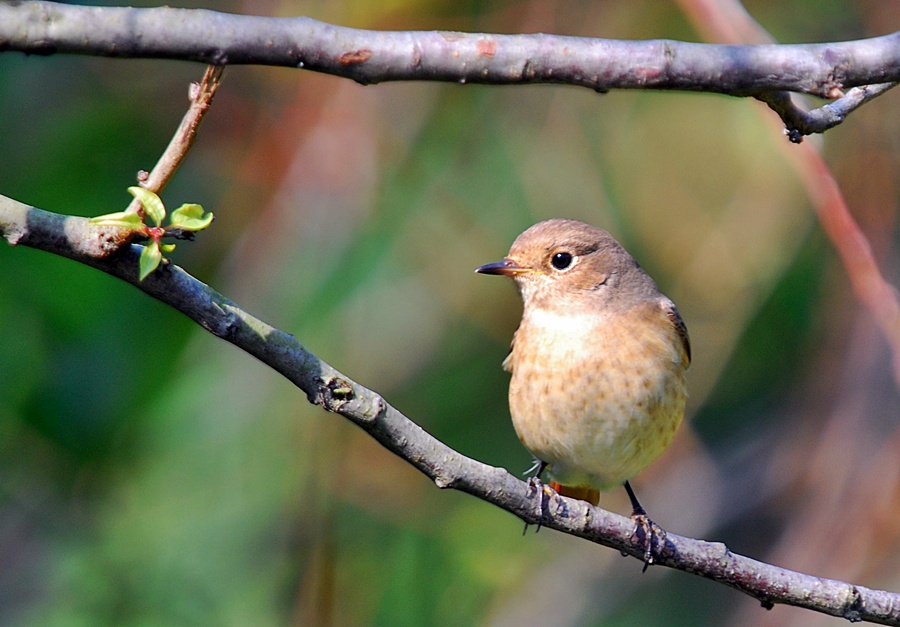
x,y
538,468
645,529
536,485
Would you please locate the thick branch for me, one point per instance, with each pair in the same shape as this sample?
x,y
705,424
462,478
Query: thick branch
x,y
372,56
75,239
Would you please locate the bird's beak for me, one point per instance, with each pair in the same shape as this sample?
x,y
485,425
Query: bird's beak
x,y
506,267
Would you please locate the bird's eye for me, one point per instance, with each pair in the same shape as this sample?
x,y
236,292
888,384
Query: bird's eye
x,y
562,261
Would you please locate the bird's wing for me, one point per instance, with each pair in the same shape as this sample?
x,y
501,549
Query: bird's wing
x,y
680,328
508,362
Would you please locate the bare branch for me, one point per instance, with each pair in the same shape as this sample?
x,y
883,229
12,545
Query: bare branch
x,y
201,95
826,70
76,239
799,122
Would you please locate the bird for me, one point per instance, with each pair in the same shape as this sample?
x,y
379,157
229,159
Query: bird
x,y
598,362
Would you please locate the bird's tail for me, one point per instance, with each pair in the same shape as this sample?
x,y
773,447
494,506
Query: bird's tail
x,y
582,492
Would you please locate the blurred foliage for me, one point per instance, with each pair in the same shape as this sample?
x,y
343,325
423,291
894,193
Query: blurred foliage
x,y
354,217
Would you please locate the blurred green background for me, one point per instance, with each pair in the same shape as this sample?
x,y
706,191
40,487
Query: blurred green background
x,y
353,217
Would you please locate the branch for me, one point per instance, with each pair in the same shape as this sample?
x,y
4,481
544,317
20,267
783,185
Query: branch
x,y
799,122
366,56
201,96
76,239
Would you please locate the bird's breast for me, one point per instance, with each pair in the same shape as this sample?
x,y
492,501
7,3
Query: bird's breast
x,y
596,395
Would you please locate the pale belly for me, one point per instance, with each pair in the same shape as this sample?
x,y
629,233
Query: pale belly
x,y
598,403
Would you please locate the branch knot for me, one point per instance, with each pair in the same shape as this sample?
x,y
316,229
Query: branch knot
x,y
332,393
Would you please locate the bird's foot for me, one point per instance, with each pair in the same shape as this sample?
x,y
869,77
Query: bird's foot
x,y
536,486
649,535
546,494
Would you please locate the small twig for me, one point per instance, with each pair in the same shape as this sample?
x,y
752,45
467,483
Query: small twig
x,y
76,239
728,21
200,96
799,122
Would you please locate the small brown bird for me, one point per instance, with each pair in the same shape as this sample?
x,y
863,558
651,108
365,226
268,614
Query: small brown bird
x,y
598,362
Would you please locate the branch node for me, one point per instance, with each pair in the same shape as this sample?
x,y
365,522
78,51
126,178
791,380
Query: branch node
x,y
370,411
109,240
853,608
332,393
354,57
443,482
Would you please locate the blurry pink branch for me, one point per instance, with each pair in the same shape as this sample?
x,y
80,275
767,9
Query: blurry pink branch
x,y
728,21
75,238
871,288
827,70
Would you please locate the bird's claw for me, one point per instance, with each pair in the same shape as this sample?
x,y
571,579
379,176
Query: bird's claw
x,y
536,486
650,536
545,494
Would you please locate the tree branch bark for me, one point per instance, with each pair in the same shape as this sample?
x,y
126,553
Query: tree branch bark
x,y
826,69
102,248
768,72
